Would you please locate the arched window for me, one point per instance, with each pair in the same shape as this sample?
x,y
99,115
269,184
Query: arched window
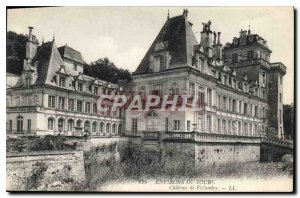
x,y
87,126
94,127
101,127
151,113
119,129
108,128
114,129
50,123
70,125
78,123
61,124
20,123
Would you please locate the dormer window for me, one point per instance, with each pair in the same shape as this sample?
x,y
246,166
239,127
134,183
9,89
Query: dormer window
x,y
80,87
75,67
235,58
224,79
96,90
62,81
27,81
158,63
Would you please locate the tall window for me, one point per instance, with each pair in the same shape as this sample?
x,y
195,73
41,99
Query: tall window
x,y
224,103
250,55
192,89
141,90
224,126
245,108
234,106
61,103
209,97
280,120
80,87
161,63
158,89
50,123
280,97
166,124
87,107
20,123
70,125
201,96
10,126
75,66
175,89
79,105
134,125
188,125
96,90
95,108
62,81
29,125
209,123
71,105
51,101
256,111
234,58
176,124
27,81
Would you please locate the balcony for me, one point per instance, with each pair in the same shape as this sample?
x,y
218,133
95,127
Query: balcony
x,y
151,135
23,109
258,61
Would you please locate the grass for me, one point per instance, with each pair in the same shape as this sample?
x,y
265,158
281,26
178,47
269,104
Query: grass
x,y
140,163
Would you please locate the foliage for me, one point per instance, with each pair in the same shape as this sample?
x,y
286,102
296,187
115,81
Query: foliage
x,y
48,142
15,52
288,120
36,176
106,70
141,163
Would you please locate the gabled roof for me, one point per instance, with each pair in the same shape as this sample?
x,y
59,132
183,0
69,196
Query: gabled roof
x,y
70,53
178,34
49,61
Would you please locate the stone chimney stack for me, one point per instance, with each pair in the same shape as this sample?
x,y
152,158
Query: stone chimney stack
x,y
31,45
219,34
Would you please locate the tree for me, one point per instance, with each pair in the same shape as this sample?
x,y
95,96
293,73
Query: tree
x,y
15,52
106,70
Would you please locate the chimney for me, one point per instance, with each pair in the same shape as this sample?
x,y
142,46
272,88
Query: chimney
x,y
31,45
219,34
30,33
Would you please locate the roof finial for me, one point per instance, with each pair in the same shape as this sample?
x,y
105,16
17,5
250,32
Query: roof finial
x,y
249,31
168,14
53,37
185,12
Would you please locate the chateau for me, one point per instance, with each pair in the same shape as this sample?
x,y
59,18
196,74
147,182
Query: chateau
x,y
239,90
53,96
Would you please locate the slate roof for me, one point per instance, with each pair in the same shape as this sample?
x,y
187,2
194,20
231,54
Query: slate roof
x,y
177,32
70,53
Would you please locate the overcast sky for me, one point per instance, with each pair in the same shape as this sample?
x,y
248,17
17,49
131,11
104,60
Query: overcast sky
x,y
123,34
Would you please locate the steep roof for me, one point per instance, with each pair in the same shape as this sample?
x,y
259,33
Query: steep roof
x,y
70,53
49,61
178,34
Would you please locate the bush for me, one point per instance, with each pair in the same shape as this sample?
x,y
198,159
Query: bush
x,y
36,176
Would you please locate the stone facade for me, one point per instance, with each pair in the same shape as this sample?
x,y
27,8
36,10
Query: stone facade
x,y
233,83
53,96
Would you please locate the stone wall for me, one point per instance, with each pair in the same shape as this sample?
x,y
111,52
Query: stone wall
x,y
224,153
44,171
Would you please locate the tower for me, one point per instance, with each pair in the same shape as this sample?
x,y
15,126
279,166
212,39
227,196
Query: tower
x,y
206,38
277,71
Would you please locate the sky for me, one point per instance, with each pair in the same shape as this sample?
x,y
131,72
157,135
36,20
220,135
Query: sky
x,y
124,34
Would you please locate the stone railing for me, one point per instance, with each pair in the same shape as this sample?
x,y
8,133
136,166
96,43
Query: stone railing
x,y
151,135
275,142
180,135
209,137
22,109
